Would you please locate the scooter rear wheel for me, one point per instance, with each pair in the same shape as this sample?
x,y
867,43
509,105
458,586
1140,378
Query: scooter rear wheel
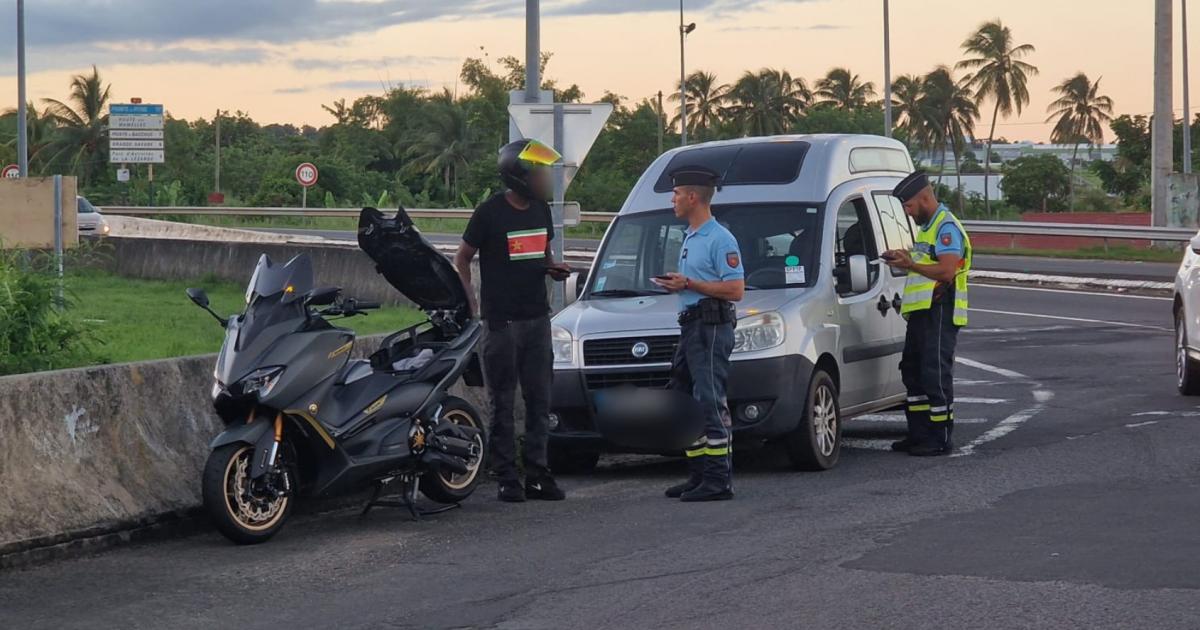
x,y
242,513
447,487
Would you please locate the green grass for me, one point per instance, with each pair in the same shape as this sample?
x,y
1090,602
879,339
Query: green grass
x,y
1115,252
136,320
432,226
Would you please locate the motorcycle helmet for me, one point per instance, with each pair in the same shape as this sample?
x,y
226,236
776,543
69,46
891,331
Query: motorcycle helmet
x,y
518,159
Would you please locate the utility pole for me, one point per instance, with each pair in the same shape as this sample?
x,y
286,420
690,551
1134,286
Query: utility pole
x,y
660,114
887,71
533,51
22,114
684,29
1187,109
1164,119
217,170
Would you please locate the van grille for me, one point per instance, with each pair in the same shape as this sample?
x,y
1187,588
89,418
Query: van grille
x,y
604,380
620,351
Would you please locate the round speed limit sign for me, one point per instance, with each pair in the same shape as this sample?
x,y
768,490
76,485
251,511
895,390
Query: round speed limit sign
x,y
12,171
306,174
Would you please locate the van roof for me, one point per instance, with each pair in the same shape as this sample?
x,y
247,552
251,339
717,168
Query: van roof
x,y
774,168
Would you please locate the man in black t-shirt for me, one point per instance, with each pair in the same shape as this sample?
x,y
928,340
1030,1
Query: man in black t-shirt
x,y
511,232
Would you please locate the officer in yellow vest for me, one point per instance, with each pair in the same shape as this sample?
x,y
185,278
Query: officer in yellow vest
x,y
935,305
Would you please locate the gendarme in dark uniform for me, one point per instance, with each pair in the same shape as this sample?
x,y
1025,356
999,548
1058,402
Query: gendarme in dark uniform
x,y
710,279
935,305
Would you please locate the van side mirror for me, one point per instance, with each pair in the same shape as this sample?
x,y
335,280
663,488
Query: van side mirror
x,y
198,297
860,275
574,285
1195,245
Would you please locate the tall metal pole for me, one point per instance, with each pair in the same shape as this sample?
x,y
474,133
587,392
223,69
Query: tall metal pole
x,y
1187,109
1161,140
58,237
533,50
887,71
682,82
22,115
217,148
659,115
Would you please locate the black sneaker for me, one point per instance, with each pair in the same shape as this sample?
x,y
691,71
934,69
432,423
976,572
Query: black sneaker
x,y
544,489
512,492
931,450
902,446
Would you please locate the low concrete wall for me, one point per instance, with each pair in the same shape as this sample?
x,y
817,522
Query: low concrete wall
x,y
152,228
92,450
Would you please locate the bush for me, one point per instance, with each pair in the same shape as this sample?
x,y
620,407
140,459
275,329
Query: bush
x,y
1036,183
34,334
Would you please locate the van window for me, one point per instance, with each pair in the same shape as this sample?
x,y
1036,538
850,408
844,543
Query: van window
x,y
897,230
856,236
760,163
865,159
780,246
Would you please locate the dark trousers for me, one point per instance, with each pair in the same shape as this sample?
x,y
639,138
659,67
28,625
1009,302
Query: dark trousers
x,y
701,368
518,352
927,368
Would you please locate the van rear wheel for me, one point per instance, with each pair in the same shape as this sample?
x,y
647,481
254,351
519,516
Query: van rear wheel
x,y
817,442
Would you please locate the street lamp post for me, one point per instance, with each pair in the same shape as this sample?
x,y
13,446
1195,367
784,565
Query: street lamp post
x,y
684,29
887,71
22,114
1187,109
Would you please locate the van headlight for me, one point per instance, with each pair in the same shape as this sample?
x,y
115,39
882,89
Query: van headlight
x,y
563,345
758,332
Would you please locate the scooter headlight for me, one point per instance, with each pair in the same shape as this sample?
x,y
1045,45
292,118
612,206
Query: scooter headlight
x,y
758,332
261,381
563,345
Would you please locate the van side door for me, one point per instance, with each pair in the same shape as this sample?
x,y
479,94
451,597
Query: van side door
x,y
898,233
867,343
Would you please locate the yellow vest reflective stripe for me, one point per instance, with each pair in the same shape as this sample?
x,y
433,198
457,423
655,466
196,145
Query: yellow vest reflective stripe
x,y
918,290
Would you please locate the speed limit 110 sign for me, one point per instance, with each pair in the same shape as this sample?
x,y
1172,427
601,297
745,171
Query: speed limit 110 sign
x,y
306,174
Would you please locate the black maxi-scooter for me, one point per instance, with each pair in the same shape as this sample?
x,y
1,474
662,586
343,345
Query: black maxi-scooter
x,y
304,420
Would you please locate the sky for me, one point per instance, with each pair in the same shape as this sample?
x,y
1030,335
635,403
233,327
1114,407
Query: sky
x,y
280,60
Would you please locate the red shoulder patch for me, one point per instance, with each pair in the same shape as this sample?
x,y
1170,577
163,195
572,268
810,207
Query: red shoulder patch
x,y
733,260
946,240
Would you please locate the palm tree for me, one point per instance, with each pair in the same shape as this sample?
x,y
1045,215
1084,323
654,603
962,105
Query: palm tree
x,y
907,91
41,127
999,74
844,90
704,102
339,111
949,106
767,102
444,142
1079,115
81,125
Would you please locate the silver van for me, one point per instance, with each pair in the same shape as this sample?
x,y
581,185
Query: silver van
x,y
819,333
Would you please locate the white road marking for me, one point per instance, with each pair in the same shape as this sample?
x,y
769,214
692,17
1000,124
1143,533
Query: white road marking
x,y
1141,424
980,401
963,382
1016,330
1152,413
879,417
1096,293
872,445
1178,414
991,368
1072,319
1073,281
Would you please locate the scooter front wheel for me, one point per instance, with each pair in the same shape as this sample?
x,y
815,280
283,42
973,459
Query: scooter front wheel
x,y
246,511
446,486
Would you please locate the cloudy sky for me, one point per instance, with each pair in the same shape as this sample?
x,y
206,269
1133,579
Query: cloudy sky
x,y
281,59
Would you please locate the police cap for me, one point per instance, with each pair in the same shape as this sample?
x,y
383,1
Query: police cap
x,y
910,186
694,176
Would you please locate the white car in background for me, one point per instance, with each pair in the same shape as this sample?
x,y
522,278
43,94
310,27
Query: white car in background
x,y
90,221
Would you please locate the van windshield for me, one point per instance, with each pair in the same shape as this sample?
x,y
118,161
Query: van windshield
x,y
779,244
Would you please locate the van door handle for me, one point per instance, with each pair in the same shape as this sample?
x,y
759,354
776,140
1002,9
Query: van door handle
x,y
883,305
897,303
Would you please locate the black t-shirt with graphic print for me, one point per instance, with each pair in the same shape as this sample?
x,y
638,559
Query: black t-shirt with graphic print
x,y
512,257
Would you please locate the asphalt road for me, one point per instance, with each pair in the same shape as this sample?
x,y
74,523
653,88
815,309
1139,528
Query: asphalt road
x,y
1072,503
1116,269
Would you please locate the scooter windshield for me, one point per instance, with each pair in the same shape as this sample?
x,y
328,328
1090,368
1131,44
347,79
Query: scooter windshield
x,y
293,279
274,299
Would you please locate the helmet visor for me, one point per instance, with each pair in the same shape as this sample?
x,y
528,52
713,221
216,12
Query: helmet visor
x,y
539,154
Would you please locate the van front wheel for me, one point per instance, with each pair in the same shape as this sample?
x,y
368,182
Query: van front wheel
x,y
816,443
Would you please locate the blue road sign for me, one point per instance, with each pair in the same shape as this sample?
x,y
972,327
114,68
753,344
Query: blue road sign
x,y
135,110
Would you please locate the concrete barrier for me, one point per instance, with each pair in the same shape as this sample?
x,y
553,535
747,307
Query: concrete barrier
x,y
137,227
89,451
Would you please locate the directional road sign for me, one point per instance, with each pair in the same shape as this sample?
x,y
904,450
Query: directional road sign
x,y
135,134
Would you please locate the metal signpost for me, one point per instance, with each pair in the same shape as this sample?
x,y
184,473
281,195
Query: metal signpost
x,y
573,128
306,176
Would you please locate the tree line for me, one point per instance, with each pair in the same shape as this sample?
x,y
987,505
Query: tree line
x,y
431,148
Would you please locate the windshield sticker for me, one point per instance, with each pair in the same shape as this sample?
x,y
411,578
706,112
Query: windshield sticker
x,y
600,283
793,274
812,210
791,261
609,264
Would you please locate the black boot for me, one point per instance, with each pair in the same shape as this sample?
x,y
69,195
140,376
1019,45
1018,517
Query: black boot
x,y
717,483
695,478
902,446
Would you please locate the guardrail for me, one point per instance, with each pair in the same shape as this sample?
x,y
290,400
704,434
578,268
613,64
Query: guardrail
x,y
1012,228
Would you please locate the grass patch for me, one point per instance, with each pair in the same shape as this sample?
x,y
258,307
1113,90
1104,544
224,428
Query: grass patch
x,y
136,320
1115,252
338,224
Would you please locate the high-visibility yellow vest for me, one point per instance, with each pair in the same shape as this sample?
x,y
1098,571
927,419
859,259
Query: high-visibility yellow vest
x,y
918,290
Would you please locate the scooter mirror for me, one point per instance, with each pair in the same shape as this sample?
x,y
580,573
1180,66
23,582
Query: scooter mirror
x,y
198,297
323,296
